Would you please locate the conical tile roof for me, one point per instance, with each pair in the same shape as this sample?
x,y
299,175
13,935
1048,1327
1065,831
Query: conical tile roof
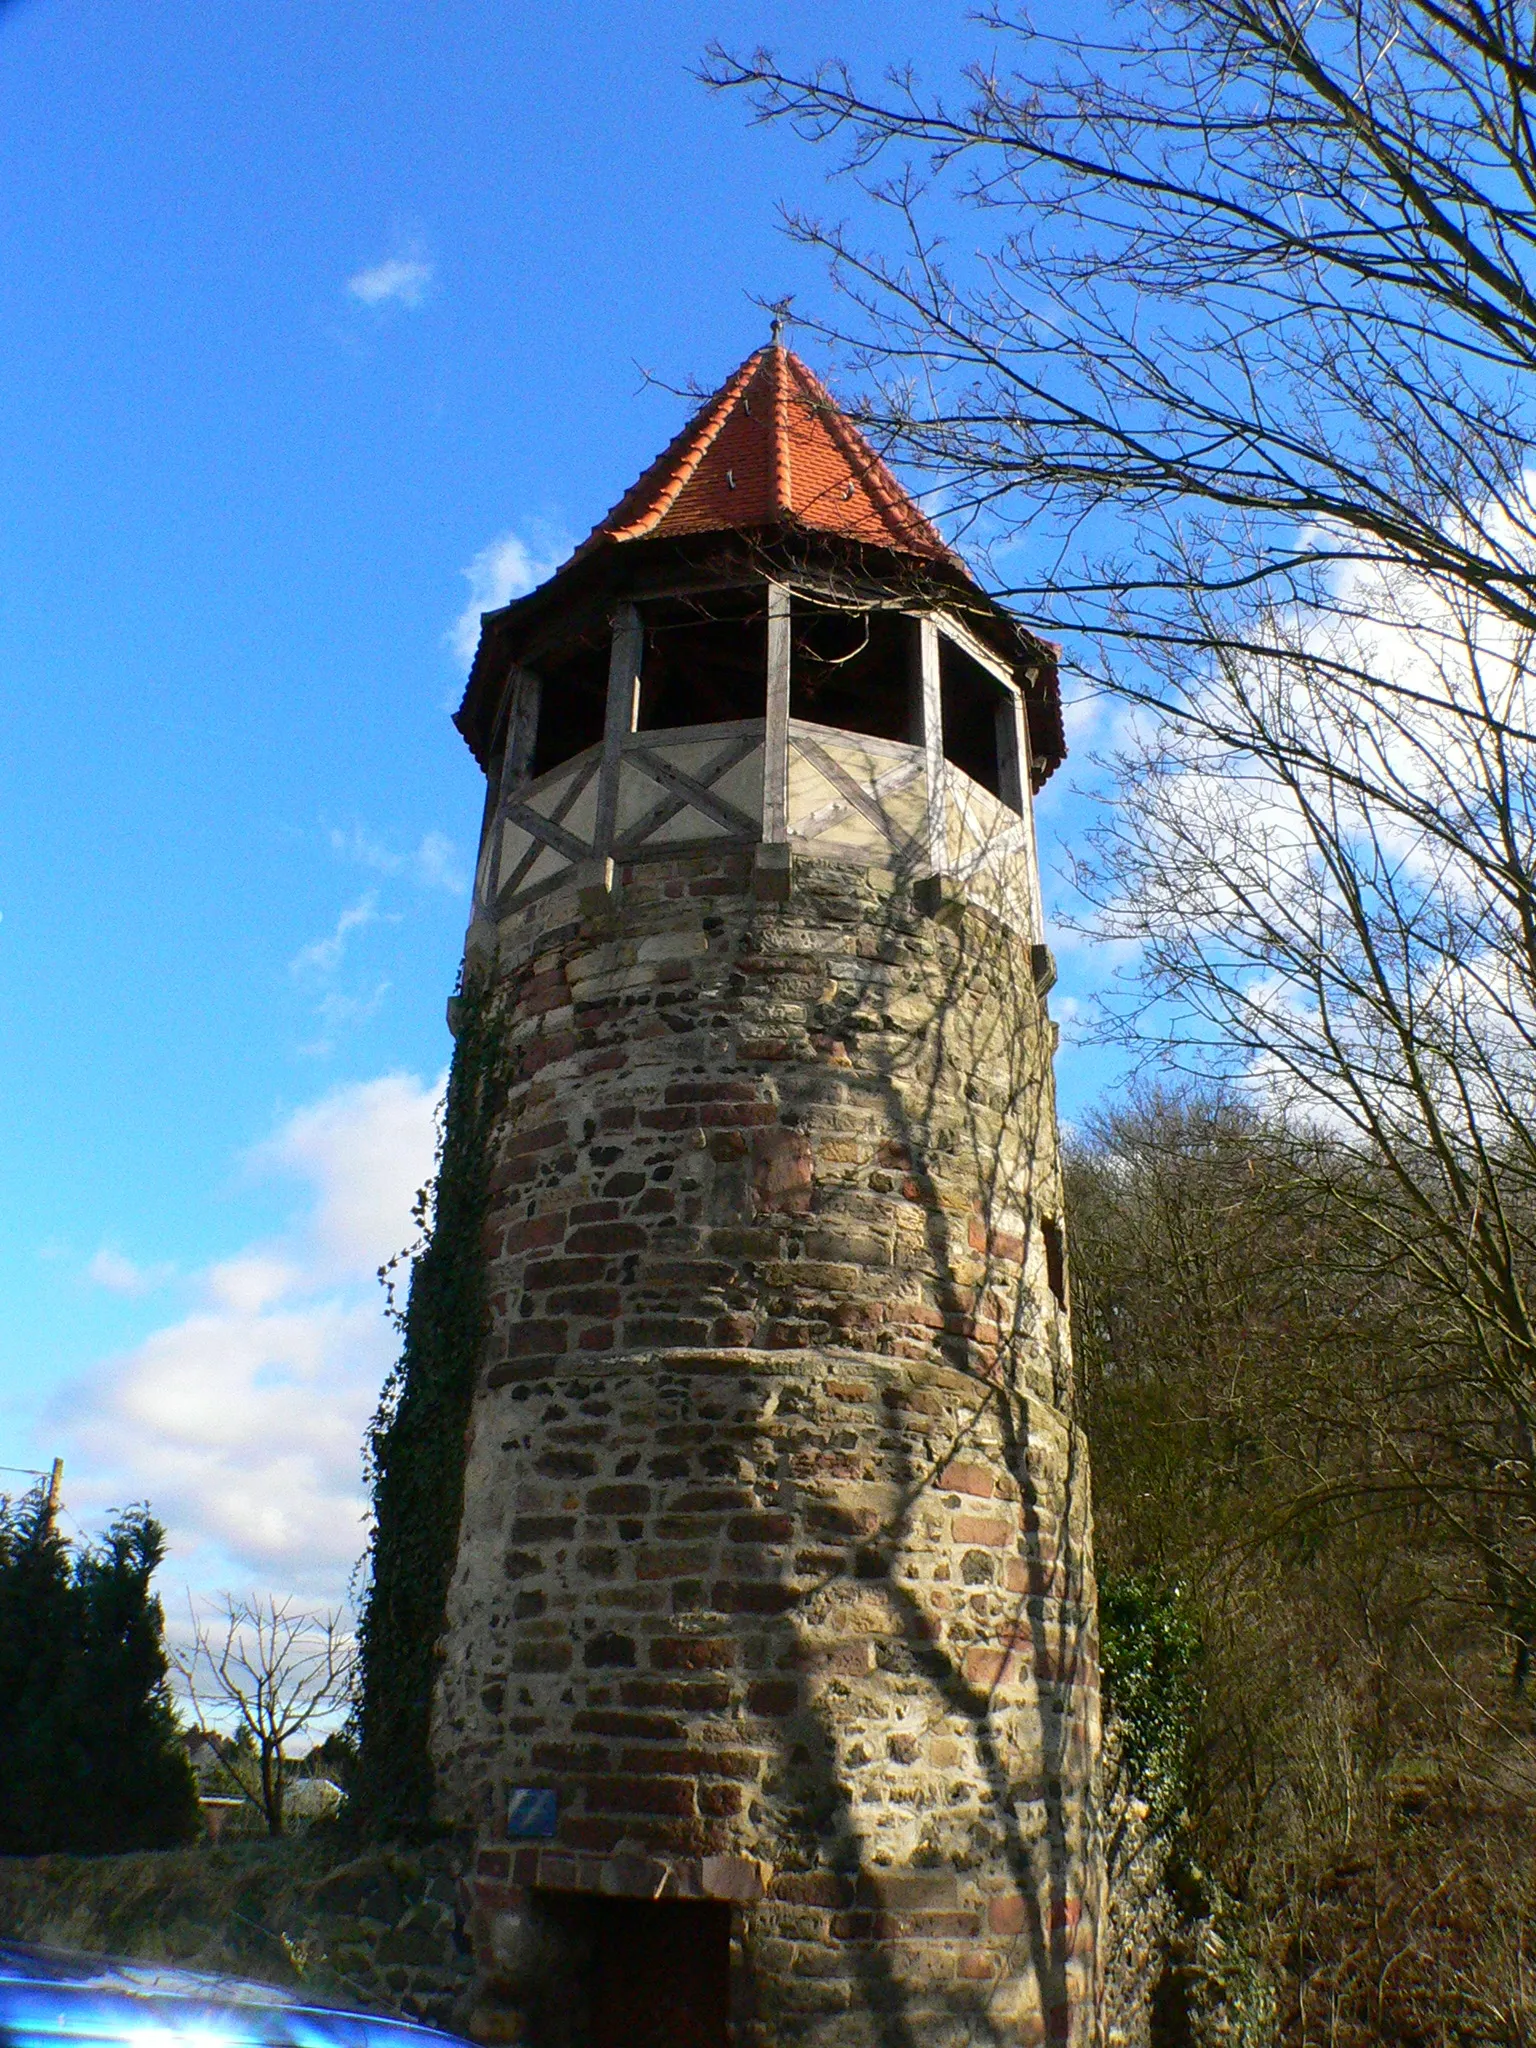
x,y
771,447
771,450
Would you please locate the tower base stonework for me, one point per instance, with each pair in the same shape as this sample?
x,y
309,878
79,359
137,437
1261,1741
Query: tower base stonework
x,y
775,1563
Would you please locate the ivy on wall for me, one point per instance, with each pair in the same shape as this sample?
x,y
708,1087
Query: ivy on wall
x,y
417,1441
1150,1650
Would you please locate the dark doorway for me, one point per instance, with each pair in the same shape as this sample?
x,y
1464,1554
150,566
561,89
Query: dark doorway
x,y
659,1974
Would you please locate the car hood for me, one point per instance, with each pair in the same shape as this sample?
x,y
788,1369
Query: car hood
x,y
53,1996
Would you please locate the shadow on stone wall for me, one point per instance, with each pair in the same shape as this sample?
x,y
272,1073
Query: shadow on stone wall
x,y
987,1025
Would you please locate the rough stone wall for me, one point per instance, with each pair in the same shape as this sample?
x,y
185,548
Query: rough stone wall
x,y
775,1556
1140,1921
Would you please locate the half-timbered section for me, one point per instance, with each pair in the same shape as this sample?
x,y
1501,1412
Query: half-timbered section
x,y
765,644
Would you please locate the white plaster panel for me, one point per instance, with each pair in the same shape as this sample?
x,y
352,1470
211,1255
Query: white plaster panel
x,y
548,864
692,757
637,796
581,818
809,789
743,784
689,824
545,795
515,842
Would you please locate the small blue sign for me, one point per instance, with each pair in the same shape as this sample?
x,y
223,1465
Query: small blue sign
x,y
532,1815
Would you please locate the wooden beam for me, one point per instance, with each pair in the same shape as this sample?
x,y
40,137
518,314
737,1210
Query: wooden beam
x,y
511,758
691,790
1031,846
1012,751
522,729
980,653
490,817
738,744
549,832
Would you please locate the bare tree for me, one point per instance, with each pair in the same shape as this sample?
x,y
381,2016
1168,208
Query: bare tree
x,y
275,1672
1258,276
1252,333
1351,936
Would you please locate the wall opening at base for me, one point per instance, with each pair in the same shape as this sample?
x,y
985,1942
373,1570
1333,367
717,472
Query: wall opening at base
x,y
654,1973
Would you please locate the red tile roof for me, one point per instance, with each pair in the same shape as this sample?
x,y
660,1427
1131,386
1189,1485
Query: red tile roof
x,y
771,447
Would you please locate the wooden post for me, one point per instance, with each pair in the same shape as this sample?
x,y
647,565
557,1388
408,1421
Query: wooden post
x,y
931,700
507,767
522,730
776,737
771,866
55,1496
488,816
1012,751
1013,759
1032,854
622,716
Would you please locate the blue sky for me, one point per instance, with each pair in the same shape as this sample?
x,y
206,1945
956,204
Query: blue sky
x,y
319,324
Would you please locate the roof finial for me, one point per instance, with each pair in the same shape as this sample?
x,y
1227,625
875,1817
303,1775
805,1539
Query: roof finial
x,y
776,326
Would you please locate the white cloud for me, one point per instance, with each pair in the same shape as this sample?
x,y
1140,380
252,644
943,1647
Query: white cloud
x,y
242,1422
361,847
436,866
251,1281
349,1147
397,281
318,965
338,1011
323,956
433,865
505,568
111,1269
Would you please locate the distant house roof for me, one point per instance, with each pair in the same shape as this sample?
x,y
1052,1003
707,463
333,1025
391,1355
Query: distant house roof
x,y
312,1798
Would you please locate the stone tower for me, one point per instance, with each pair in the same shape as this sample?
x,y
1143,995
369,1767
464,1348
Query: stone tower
x,y
768,1687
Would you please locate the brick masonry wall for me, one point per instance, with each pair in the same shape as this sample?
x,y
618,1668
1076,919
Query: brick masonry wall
x,y
775,1561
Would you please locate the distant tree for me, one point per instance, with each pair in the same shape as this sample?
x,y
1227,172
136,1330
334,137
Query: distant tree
x,y
92,1760
1307,1663
277,1672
